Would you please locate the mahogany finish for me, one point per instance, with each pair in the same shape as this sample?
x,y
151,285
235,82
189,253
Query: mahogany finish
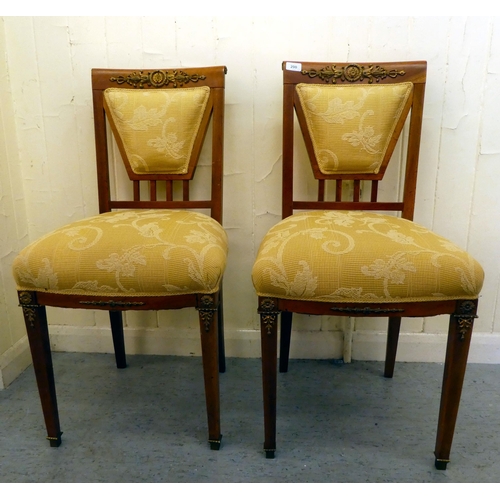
x,y
462,313
209,306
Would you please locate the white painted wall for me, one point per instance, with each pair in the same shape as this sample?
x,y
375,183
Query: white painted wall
x,y
14,356
47,153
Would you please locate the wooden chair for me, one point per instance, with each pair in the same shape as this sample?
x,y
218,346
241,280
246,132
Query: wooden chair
x,y
348,257
150,250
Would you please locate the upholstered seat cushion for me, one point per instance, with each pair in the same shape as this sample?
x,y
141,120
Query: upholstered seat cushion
x,y
132,252
342,256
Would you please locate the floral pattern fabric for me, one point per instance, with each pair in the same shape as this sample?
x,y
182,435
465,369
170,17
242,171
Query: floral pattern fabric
x,y
351,125
157,127
131,252
347,256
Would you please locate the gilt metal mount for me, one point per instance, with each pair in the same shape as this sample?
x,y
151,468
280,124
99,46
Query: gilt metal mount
x,y
30,314
29,306
206,309
26,299
465,318
157,79
353,73
268,314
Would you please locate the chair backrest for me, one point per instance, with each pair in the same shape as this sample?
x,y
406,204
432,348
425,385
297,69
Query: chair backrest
x,y
351,117
159,120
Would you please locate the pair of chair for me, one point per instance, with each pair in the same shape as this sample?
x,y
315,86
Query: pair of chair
x,y
328,256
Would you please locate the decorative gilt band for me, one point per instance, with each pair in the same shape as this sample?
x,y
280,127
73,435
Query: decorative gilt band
x,y
268,314
215,442
207,309
441,463
465,317
365,310
157,79
110,303
353,73
54,438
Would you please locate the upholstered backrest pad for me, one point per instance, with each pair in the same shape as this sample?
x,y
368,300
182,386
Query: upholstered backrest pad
x,y
157,127
351,125
133,252
341,256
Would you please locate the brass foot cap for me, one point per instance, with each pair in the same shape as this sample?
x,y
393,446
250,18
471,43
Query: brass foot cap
x,y
441,464
54,441
214,443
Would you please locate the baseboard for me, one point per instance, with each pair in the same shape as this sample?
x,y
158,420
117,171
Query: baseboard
x,y
366,346
14,361
238,344
140,341
424,347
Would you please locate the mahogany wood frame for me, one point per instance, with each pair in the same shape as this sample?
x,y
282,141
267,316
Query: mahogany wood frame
x,y
209,306
462,312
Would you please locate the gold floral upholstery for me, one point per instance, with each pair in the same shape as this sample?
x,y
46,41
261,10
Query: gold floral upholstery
x,y
351,256
131,252
157,127
351,125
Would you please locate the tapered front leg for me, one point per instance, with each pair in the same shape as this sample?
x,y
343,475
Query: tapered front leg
x,y
208,312
269,344
457,350
35,317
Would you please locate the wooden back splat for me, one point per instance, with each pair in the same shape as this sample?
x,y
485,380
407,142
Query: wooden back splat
x,y
371,74
212,77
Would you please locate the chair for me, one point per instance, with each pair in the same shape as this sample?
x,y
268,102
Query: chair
x,y
154,248
351,257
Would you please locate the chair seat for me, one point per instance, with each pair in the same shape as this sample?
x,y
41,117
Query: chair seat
x,y
131,252
346,256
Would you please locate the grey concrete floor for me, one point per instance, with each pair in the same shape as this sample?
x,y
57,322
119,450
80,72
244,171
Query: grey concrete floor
x,y
337,423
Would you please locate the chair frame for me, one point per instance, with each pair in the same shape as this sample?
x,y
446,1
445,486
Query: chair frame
x,y
209,306
462,312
